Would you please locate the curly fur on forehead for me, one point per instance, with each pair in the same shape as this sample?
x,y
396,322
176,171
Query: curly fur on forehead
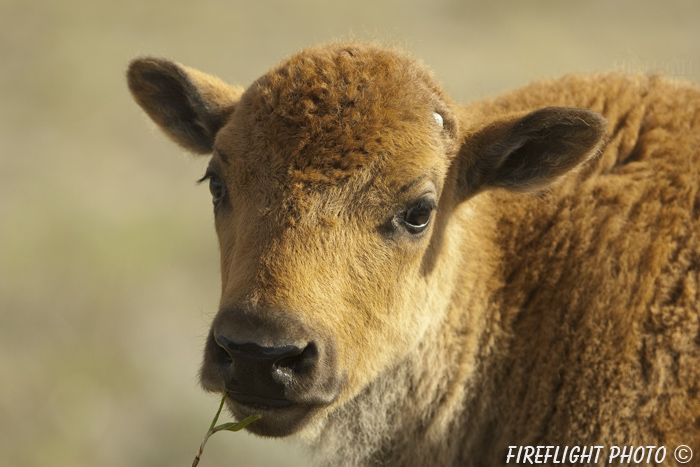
x,y
326,113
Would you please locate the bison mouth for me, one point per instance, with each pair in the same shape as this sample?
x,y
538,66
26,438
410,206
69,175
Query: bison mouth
x,y
280,417
259,403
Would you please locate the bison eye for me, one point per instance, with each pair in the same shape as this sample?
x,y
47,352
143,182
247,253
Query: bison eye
x,y
216,186
217,189
417,217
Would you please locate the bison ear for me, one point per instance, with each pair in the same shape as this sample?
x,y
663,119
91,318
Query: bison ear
x,y
188,105
529,153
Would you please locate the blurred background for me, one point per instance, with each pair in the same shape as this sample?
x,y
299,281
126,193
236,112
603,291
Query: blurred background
x,y
108,259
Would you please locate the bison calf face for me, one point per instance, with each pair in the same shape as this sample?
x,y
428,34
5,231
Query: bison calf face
x,y
323,263
326,176
333,178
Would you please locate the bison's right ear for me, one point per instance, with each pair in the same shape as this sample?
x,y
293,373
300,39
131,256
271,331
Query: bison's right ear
x,y
188,105
527,153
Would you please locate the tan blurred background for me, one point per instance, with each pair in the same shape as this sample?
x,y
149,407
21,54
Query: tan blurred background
x,y
108,259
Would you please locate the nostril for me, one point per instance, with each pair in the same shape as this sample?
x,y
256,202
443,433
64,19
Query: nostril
x,y
286,368
223,353
219,353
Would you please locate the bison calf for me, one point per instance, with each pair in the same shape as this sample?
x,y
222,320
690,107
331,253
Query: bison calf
x,y
408,281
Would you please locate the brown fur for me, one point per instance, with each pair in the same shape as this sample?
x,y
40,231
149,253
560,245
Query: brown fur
x,y
565,317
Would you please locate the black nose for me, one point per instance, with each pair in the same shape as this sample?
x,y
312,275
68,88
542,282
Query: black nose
x,y
266,371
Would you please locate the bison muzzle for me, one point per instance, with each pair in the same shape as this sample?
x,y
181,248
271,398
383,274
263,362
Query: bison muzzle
x,y
286,372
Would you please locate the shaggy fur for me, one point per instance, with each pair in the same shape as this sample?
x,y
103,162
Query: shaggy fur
x,y
565,317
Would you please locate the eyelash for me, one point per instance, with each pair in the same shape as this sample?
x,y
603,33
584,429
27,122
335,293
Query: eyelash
x,y
207,175
216,187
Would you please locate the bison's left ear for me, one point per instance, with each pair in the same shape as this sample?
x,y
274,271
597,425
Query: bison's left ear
x,y
530,152
188,105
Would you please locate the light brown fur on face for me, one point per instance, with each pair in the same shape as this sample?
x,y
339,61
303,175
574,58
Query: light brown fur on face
x,y
552,298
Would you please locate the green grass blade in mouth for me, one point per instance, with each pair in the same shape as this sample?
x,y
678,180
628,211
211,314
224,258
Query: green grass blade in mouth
x,y
237,426
231,426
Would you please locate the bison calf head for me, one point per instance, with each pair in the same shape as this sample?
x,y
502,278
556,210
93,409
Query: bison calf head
x,y
333,178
